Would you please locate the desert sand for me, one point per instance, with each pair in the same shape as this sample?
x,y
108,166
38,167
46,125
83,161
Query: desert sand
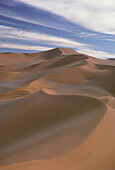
x,y
57,111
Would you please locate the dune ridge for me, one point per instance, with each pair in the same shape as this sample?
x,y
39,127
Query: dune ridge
x,y
57,111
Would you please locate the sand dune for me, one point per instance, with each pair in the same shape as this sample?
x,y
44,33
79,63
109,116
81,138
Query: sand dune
x,y
57,111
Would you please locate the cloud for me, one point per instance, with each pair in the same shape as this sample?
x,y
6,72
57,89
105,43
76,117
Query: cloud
x,y
96,53
87,35
95,15
23,47
88,51
22,18
109,39
52,41
9,32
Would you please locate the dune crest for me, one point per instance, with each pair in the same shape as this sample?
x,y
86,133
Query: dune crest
x,y
57,111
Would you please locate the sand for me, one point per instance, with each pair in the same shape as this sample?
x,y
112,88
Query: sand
x,y
57,111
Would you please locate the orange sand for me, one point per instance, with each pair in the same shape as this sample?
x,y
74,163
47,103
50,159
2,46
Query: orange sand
x,y
57,111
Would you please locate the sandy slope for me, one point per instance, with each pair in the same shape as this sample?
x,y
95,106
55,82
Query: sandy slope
x,y
57,111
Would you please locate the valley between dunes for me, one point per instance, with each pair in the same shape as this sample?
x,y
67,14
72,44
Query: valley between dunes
x,y
57,111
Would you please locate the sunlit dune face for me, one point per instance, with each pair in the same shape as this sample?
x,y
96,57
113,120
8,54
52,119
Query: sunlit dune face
x,y
56,111
49,91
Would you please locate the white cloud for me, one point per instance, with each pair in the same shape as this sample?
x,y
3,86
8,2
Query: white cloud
x,y
32,21
96,53
23,47
87,35
109,39
92,14
9,32
88,51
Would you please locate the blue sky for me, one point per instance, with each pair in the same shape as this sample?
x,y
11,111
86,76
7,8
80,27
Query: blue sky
x,y
88,26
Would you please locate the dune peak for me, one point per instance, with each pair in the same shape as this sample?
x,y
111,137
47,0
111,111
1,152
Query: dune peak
x,y
57,110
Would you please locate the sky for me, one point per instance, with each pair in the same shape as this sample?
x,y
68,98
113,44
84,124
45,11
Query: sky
x,y
87,26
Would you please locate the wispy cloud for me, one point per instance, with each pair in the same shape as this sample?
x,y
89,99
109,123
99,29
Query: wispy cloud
x,y
96,53
95,15
87,35
109,39
88,51
9,32
52,41
23,47
26,31
23,18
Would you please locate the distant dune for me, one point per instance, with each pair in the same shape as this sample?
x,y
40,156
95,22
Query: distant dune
x,y
57,111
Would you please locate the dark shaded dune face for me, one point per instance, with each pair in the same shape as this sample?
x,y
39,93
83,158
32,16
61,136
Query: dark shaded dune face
x,y
56,108
68,51
30,67
6,53
51,53
27,54
112,59
106,78
2,67
52,125
68,59
104,67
